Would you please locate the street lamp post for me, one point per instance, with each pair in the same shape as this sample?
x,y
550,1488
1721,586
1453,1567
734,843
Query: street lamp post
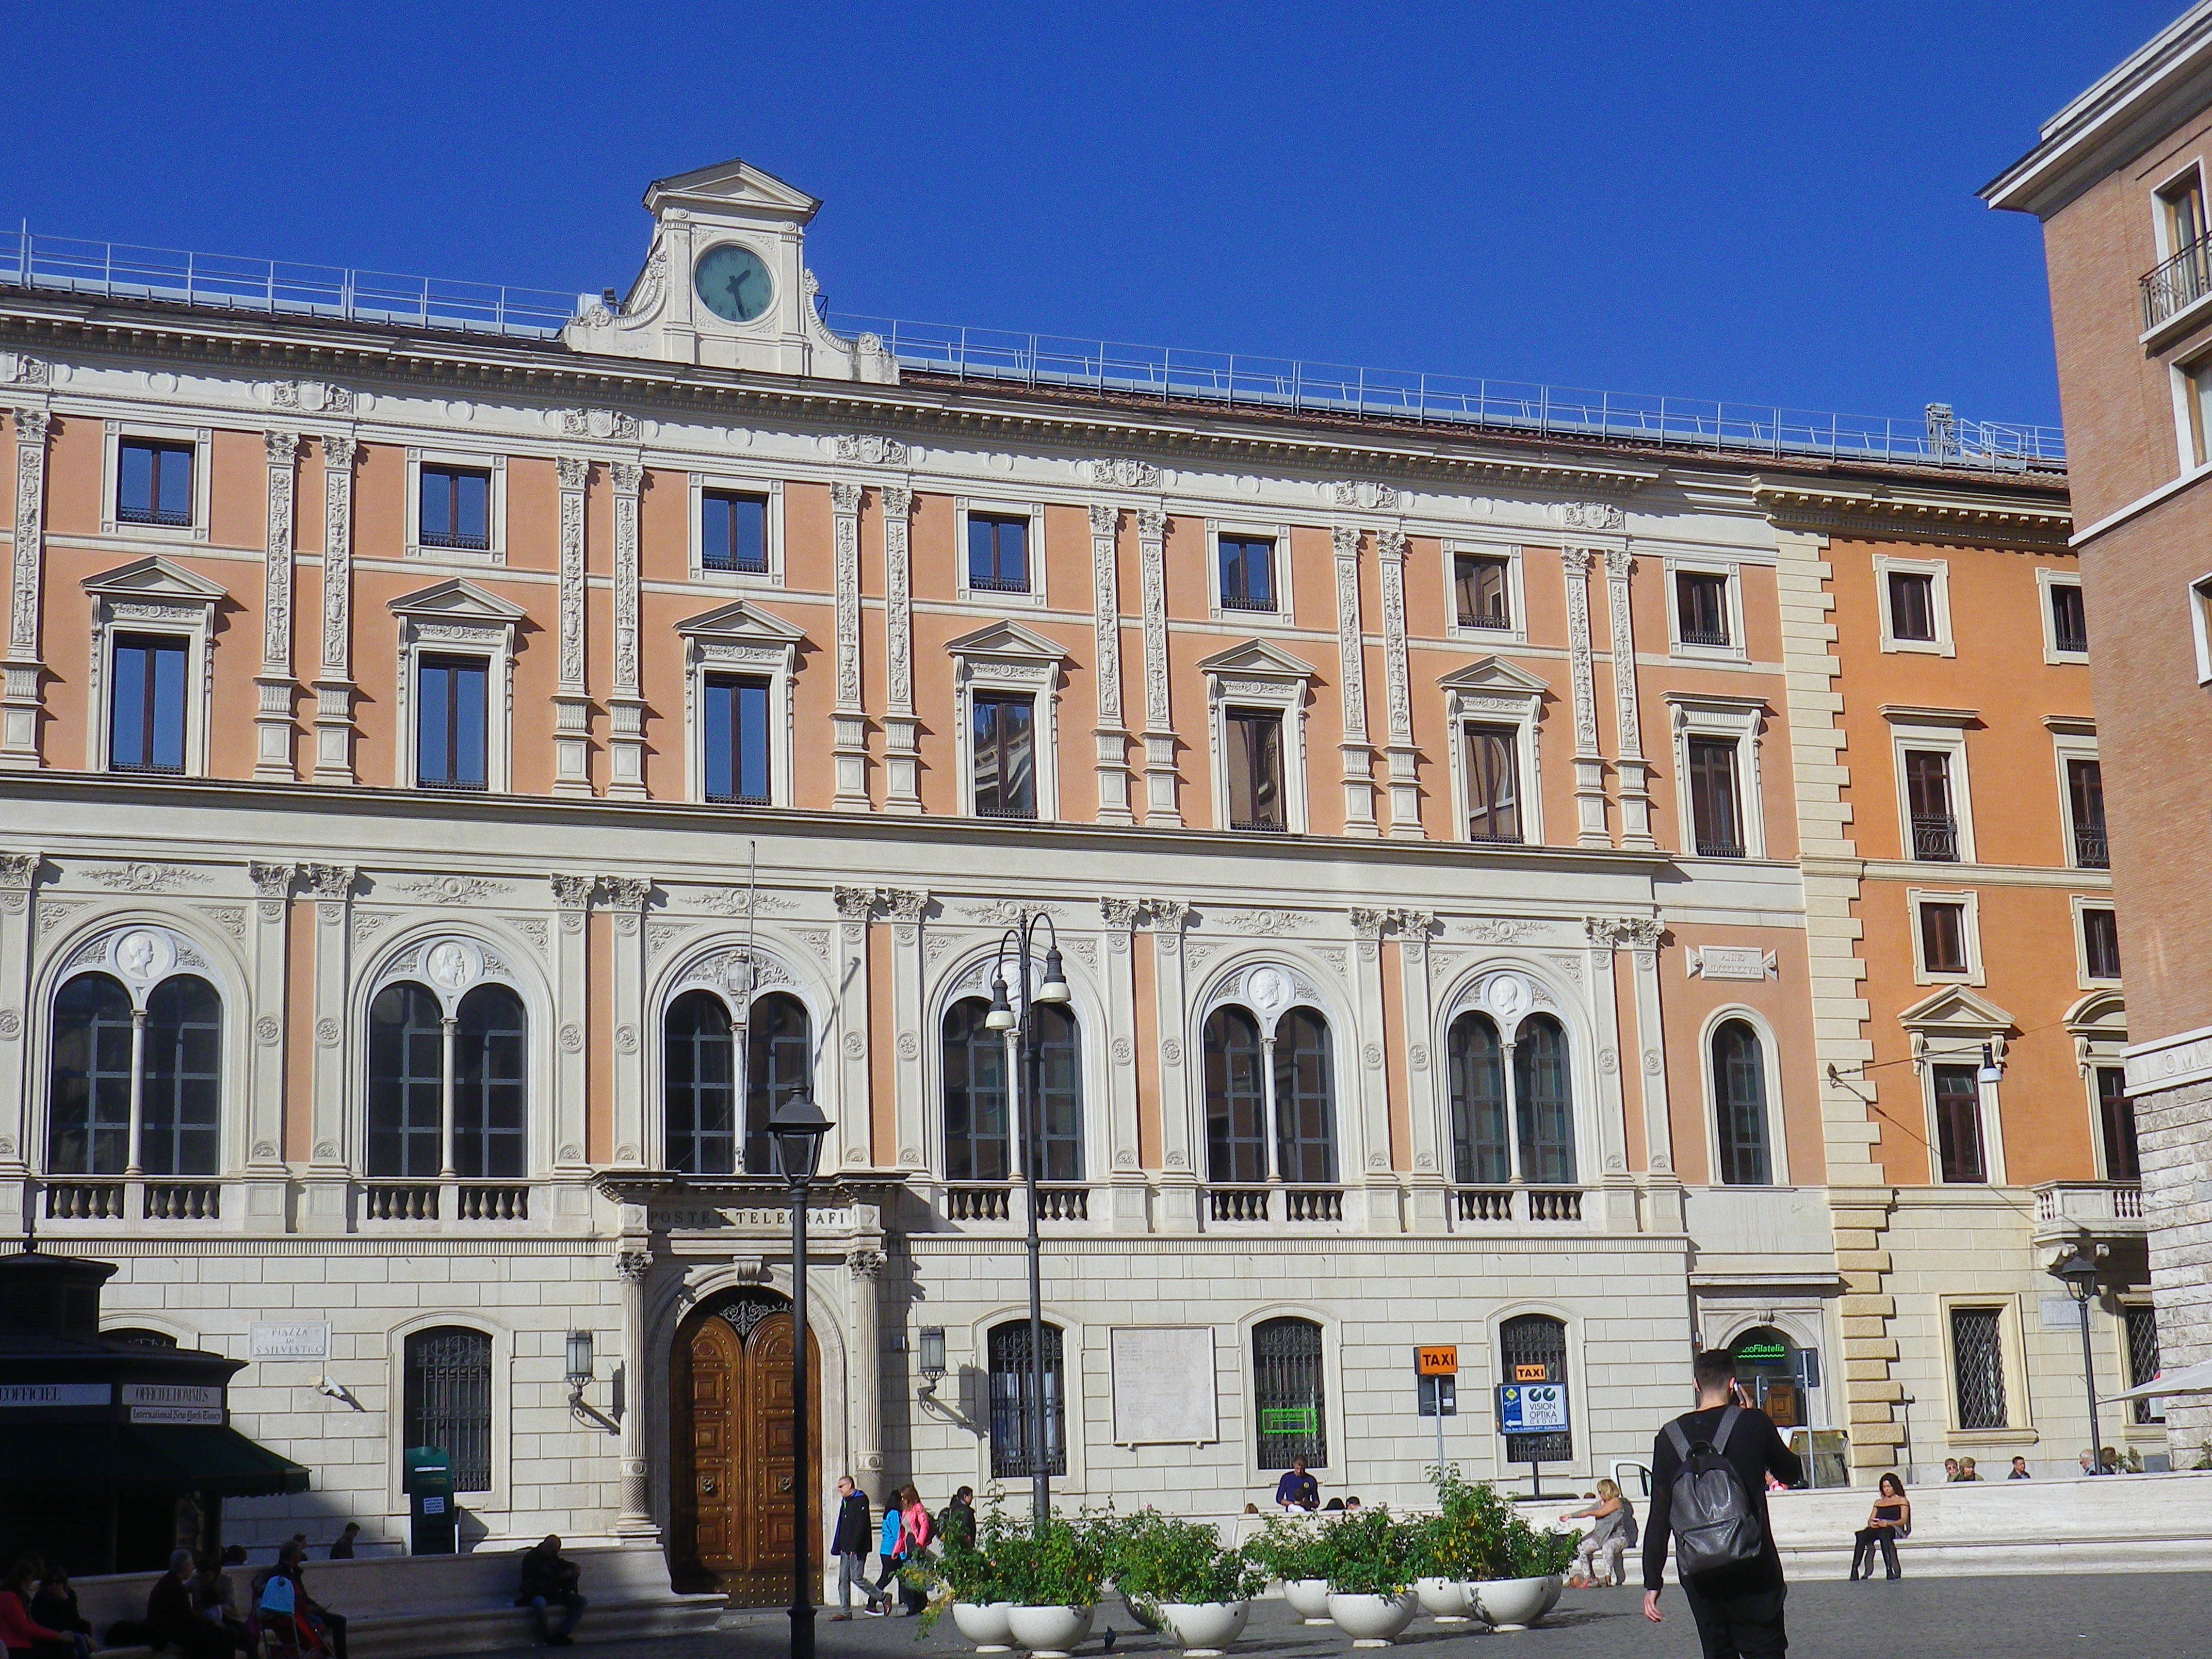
x,y
1030,1071
798,1126
2079,1272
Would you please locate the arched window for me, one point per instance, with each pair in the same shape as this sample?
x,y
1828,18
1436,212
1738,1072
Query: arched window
x,y
448,1399
976,1104
88,1128
1235,1099
1289,1400
1013,1381
492,1118
1305,1099
699,1055
1543,1094
139,1337
778,1063
406,1084
181,1114
1060,1096
1482,1151
1740,1105
1526,1343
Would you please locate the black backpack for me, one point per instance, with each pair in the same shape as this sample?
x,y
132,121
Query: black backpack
x,y
1713,1517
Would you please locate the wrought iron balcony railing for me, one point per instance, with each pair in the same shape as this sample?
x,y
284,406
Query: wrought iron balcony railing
x,y
1936,837
2091,851
2176,284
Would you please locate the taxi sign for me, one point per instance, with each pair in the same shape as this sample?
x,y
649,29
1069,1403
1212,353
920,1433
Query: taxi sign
x,y
1539,1372
1437,1361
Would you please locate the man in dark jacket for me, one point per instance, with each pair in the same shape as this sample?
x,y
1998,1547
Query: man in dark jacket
x,y
548,1581
853,1544
1738,1608
956,1521
172,1623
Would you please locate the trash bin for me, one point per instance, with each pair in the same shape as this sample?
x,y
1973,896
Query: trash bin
x,y
428,1482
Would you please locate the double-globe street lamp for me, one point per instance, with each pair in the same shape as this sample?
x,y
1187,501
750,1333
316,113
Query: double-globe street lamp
x,y
2079,1271
797,1126
1029,1070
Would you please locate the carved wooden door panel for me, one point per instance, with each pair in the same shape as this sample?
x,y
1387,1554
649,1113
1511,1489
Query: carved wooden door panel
x,y
713,1500
733,1508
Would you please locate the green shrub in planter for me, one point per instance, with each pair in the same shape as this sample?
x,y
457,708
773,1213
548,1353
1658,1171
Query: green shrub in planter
x,y
1546,1554
1062,1565
1469,1538
1289,1547
1157,1559
1368,1553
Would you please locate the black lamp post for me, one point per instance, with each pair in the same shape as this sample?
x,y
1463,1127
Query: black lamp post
x,y
797,1126
1030,1069
2078,1270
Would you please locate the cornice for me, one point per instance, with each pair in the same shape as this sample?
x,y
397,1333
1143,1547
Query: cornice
x,y
1971,512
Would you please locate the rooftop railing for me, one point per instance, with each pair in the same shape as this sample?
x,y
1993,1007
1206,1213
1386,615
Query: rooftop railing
x,y
1164,373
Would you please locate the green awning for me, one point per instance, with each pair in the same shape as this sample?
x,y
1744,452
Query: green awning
x,y
203,1457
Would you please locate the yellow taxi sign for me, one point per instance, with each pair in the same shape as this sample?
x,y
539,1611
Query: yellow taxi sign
x,y
1536,1373
1436,1361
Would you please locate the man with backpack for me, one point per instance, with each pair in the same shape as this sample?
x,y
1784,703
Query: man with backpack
x,y
1709,1469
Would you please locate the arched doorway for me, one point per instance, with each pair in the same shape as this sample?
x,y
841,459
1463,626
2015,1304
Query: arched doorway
x,y
1768,1364
731,1435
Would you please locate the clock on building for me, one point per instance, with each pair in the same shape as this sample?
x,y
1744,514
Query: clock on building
x,y
733,283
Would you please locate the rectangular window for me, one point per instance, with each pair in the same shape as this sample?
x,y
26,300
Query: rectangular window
x,y
736,738
1493,783
2100,943
733,531
2084,795
1912,606
1959,1125
154,482
146,710
2142,1357
1927,802
1004,732
998,554
1701,608
1479,584
1978,1354
1247,572
2116,1117
2196,398
2069,620
1943,936
1715,811
2181,206
456,507
1013,1380
1255,768
449,727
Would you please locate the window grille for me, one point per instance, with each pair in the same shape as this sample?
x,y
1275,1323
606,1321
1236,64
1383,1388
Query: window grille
x,y
1289,1400
1012,1377
448,1401
1978,1355
1536,1340
2143,1357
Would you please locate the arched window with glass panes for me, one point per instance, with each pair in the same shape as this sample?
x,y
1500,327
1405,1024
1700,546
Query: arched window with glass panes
x,y
1512,1102
978,1076
1739,1125
1270,1098
1013,1384
446,1399
449,1095
135,1079
711,1059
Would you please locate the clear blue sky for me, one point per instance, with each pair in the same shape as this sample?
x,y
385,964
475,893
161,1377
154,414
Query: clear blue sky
x,y
1766,202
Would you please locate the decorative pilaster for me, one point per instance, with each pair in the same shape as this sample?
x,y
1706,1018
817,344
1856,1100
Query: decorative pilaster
x,y
849,719
1110,735
1635,776
1351,669
863,1377
1589,764
334,725
1428,1188
1160,805
1403,757
22,700
855,1129
625,704
271,949
572,991
625,897
1127,1194
634,1521
902,755
1379,1183
1181,1109
272,717
330,886
905,909
19,877
572,701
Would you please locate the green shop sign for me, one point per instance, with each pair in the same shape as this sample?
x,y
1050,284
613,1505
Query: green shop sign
x,y
1290,1419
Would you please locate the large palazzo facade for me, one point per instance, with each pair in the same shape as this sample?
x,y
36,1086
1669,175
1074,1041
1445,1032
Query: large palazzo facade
x,y
454,781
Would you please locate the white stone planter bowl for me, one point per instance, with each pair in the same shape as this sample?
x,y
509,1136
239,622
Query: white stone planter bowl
x,y
1049,1633
1204,1628
1136,1611
1515,1603
1373,1622
1444,1598
1555,1588
1308,1599
987,1625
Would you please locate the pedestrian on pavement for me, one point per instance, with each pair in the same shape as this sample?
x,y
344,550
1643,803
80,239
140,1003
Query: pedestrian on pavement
x,y
1737,1605
956,1521
55,1605
887,1543
915,1534
2019,1470
343,1550
1298,1490
851,1544
2089,1463
1890,1520
1610,1536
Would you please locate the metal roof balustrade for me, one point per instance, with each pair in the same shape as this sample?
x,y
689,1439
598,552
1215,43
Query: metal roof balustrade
x,y
1001,357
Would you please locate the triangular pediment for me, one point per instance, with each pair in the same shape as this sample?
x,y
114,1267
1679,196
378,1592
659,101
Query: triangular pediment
x,y
730,184
742,620
457,599
154,578
1494,675
1956,1008
1005,639
1258,657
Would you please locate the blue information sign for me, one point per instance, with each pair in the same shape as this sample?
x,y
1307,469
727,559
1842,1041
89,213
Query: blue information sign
x,y
1531,1407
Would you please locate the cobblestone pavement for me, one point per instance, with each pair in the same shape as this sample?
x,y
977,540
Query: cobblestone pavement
x,y
2140,1615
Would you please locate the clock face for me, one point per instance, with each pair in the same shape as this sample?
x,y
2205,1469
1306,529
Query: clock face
x,y
734,283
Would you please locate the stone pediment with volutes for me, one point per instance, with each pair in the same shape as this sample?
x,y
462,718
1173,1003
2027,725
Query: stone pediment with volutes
x,y
736,183
1955,1022
156,580
1257,660
1492,680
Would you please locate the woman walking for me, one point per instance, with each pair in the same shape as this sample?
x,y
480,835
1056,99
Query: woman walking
x,y
1891,1519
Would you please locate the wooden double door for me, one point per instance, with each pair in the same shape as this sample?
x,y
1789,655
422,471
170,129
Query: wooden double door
x,y
732,1439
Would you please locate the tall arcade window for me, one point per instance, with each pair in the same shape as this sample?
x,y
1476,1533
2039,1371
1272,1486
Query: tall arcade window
x,y
435,1085
1235,1099
736,739
1544,1102
101,1059
146,706
450,729
1013,1383
1290,1397
154,482
1255,1113
1493,783
456,507
699,1080
1481,1147
1533,1348
1004,734
1254,741
732,531
491,1120
1959,1125
1740,1105
978,1118
446,1399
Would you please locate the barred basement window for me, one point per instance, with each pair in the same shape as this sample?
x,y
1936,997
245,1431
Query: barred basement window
x,y
1012,1377
448,1400
1978,1357
1289,1401
1530,1340
2142,1357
